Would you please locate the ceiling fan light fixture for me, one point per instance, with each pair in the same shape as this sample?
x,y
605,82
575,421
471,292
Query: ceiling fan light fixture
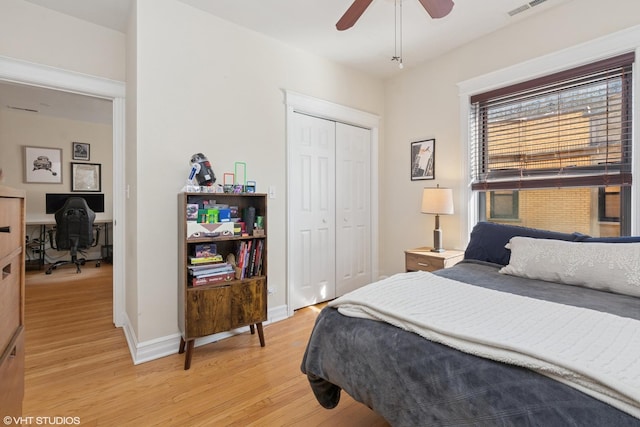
x,y
435,8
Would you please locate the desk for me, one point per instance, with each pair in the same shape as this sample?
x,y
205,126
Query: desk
x,y
36,247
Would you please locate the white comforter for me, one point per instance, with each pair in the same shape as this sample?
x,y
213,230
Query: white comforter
x,y
597,353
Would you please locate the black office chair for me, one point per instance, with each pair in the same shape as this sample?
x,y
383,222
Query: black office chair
x,y
73,231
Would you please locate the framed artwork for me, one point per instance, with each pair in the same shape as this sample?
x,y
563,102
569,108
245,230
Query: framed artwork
x,y
80,151
86,177
423,159
42,165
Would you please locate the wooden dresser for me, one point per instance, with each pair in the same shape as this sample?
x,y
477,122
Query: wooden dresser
x,y
12,239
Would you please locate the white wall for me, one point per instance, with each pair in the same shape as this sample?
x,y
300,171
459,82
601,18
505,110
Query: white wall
x,y
423,103
131,136
36,34
205,85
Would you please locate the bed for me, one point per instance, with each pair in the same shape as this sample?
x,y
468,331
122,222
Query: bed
x,y
532,328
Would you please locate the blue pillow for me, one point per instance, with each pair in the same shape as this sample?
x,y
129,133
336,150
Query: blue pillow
x,y
488,239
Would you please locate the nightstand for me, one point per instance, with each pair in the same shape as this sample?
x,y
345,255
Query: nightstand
x,y
425,260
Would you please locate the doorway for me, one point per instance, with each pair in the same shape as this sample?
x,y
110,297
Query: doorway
x,y
332,200
30,74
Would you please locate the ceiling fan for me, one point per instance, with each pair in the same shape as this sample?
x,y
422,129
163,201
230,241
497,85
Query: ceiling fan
x,y
435,8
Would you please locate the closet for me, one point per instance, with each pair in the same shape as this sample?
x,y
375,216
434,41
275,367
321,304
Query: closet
x,y
330,218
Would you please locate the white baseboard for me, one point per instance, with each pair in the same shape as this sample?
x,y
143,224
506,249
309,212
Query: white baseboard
x,y
277,314
146,351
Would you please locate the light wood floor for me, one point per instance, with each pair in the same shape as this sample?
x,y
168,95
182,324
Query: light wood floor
x,y
78,365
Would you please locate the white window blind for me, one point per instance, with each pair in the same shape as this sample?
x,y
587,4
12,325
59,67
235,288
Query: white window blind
x,y
568,129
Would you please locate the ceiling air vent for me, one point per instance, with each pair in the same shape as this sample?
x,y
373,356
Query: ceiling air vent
x,y
525,6
517,10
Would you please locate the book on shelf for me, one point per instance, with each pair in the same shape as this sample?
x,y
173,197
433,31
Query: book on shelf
x,y
205,259
210,269
208,280
192,211
252,260
205,250
257,271
242,257
249,258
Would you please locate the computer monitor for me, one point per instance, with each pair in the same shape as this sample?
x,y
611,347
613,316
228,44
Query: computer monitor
x,y
55,201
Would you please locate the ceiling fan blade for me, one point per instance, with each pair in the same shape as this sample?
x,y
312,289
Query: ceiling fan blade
x,y
437,8
352,14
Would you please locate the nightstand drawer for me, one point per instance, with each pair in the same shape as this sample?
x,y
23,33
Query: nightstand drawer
x,y
425,260
415,262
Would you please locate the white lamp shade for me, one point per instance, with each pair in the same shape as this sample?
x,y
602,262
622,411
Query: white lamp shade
x,y
437,201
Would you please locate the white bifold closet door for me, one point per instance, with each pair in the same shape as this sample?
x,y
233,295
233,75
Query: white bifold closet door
x,y
353,208
331,209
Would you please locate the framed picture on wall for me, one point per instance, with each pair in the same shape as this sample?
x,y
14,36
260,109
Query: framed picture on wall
x,y
42,165
86,177
80,151
423,159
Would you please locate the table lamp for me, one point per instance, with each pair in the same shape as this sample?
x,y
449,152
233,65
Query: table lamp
x,y
438,201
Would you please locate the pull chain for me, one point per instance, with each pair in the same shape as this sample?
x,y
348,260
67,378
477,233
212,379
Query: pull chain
x,y
397,34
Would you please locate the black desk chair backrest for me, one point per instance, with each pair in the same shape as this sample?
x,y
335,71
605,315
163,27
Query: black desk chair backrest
x,y
74,230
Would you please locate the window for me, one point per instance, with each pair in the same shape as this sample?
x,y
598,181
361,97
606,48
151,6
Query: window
x,y
503,205
568,131
609,204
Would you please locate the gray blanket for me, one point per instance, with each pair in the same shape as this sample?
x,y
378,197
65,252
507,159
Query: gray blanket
x,y
411,381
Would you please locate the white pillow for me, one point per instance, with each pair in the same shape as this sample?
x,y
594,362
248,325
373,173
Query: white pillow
x,y
613,267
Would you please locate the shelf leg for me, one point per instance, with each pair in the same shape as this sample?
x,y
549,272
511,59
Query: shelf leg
x,y
260,334
182,343
187,356
252,329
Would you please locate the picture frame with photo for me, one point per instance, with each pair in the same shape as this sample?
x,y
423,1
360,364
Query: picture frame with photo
x,y
86,177
42,165
423,159
80,151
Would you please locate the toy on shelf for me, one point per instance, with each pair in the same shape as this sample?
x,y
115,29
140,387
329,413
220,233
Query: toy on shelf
x,y
201,176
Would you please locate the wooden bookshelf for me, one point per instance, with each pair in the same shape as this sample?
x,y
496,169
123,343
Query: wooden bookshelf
x,y
229,303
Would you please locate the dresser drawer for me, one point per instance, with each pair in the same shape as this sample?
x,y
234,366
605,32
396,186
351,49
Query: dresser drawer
x,y
12,376
416,262
9,299
10,225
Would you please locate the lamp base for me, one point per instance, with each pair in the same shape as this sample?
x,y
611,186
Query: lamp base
x,y
437,240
